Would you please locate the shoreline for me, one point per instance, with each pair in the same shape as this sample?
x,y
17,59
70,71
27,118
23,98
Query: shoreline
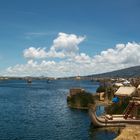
x,y
130,132
76,107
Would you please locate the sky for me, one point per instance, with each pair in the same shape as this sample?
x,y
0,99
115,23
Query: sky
x,y
59,38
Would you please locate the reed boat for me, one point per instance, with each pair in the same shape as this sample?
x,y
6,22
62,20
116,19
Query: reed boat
x,y
116,120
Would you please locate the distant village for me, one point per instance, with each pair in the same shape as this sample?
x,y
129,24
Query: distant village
x,y
117,81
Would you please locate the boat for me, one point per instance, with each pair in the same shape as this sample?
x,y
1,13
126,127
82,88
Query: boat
x,y
120,120
48,81
29,81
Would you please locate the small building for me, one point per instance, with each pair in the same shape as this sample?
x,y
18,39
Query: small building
x,y
138,90
118,85
78,78
101,96
126,83
125,92
124,95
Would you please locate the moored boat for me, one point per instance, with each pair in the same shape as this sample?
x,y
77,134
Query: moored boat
x,y
29,81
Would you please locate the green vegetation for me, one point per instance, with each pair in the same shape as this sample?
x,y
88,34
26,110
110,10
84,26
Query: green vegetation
x,y
81,100
101,89
108,90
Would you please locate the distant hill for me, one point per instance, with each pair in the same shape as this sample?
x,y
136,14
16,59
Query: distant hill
x,y
127,72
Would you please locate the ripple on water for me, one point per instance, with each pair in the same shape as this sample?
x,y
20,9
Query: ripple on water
x,y
39,112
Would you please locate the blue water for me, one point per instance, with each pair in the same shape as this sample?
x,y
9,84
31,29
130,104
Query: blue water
x,y
39,111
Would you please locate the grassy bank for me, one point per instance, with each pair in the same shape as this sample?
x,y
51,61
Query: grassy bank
x,y
129,133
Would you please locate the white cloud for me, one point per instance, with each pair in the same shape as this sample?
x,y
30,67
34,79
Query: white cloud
x,y
33,35
121,56
37,33
68,42
53,54
32,68
65,45
34,53
82,58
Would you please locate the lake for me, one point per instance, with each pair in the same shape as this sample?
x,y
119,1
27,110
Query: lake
x,y
39,111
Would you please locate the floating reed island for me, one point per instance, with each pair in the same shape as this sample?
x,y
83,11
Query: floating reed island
x,y
80,99
122,104
121,100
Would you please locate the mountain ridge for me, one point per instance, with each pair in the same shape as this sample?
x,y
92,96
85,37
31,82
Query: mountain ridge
x,y
126,73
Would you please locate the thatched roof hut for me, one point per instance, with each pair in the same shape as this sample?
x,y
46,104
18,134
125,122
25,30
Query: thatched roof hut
x,y
126,91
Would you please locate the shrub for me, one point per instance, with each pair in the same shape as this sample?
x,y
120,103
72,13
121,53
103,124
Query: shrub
x,y
101,89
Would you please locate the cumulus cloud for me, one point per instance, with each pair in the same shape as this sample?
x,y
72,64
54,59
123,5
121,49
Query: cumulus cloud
x,y
121,56
65,45
68,42
82,58
34,53
32,68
